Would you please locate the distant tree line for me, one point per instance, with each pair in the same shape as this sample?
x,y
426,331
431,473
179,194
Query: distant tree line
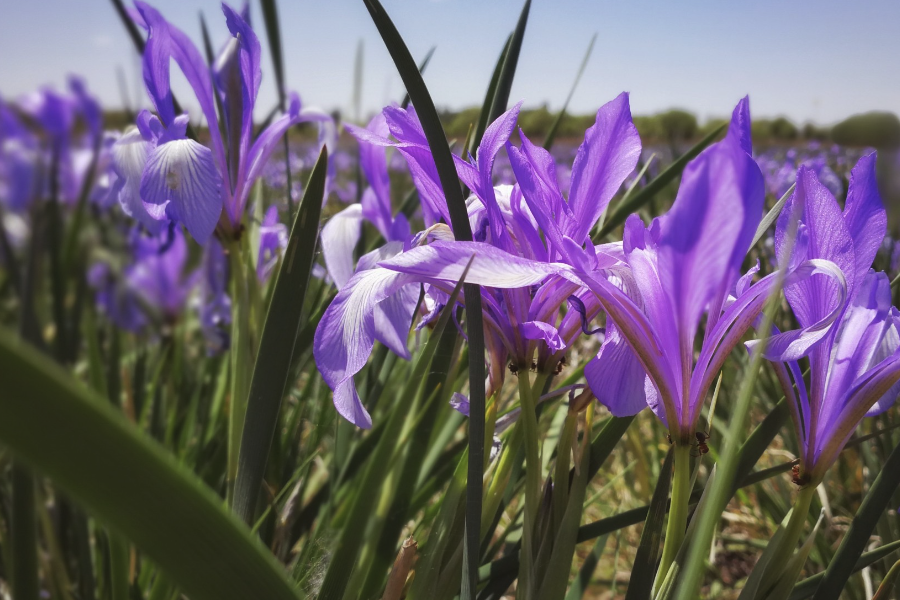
x,y
676,125
875,129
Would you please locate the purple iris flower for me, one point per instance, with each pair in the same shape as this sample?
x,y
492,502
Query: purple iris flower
x,y
117,302
167,175
683,267
27,158
19,161
520,314
855,367
153,287
158,275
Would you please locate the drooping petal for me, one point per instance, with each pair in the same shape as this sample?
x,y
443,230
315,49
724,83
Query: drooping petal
x,y
346,334
490,266
794,345
340,235
346,401
617,378
130,154
826,236
866,337
538,330
183,173
393,319
610,151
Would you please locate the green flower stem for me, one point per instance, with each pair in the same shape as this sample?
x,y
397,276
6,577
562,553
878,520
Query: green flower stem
x,y
678,510
242,359
528,422
561,471
500,481
788,544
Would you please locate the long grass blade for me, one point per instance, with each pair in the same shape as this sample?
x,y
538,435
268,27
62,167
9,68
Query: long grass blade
x,y
807,587
443,160
500,98
771,216
77,439
586,572
887,584
276,347
551,135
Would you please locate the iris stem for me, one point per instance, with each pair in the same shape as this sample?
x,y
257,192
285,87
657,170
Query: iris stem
x,y
529,424
500,480
242,360
678,510
784,551
561,472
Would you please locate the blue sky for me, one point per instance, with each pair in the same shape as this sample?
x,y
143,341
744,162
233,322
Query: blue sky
x,y
809,60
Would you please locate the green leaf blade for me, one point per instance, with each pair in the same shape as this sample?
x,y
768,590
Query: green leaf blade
x,y
276,348
77,439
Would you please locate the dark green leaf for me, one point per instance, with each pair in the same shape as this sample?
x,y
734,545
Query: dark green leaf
x,y
586,572
485,112
500,98
276,348
443,160
86,446
422,66
646,559
23,535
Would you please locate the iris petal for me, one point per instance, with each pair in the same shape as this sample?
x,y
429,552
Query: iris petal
x,y
183,172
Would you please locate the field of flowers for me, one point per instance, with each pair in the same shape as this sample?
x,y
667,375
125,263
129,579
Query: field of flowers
x,y
311,358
